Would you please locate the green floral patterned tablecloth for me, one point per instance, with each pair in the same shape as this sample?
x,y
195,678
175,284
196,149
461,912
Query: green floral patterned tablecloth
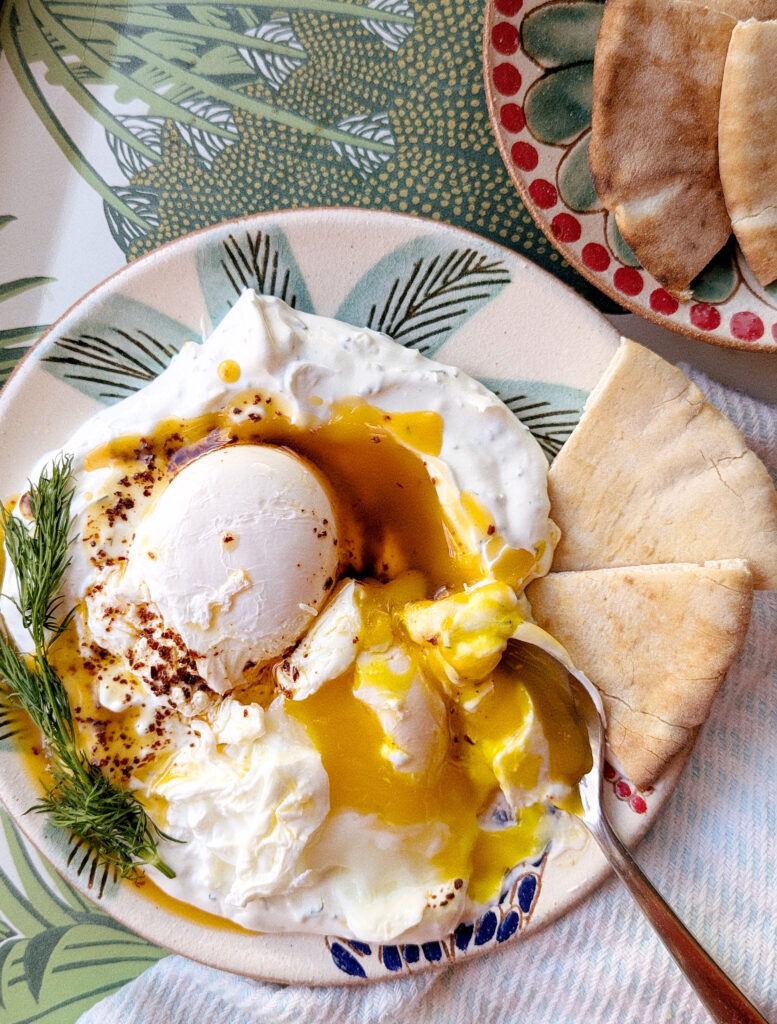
x,y
127,124
177,116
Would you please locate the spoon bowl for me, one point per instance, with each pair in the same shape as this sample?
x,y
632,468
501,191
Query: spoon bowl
x,y
722,999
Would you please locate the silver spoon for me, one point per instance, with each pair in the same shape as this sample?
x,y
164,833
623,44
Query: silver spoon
x,y
723,1000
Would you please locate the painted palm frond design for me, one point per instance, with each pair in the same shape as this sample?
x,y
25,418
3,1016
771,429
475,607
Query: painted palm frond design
x,y
12,721
191,64
116,361
255,262
550,426
550,413
435,293
14,341
374,126
420,294
58,954
116,351
262,260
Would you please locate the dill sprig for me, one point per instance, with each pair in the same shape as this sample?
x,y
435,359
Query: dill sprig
x,y
109,820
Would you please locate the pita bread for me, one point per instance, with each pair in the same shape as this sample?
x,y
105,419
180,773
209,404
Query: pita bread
x,y
748,141
654,473
657,641
763,10
658,69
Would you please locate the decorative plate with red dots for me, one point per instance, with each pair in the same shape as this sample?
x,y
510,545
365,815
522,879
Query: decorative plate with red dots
x,y
538,69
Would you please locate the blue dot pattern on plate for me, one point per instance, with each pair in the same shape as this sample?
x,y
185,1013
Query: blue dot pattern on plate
x,y
496,925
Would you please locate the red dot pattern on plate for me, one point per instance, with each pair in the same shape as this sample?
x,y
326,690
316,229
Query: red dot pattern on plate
x,y
565,227
512,117
747,326
638,804
524,156
628,280
543,193
504,36
595,256
662,302
705,317
623,789
508,7
507,79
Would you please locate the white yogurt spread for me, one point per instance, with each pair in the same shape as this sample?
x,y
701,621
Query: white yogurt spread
x,y
228,574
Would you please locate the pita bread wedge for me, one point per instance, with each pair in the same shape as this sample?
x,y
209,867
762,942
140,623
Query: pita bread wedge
x,y
657,641
658,69
763,10
748,142
654,473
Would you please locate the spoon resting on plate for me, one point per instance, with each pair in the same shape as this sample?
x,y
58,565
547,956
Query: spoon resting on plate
x,y
722,999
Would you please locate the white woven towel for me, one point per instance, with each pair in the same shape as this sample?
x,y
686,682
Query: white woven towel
x,y
712,853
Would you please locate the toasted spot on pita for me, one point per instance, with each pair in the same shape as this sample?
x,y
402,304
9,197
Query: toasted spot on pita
x,y
654,473
658,69
657,641
748,139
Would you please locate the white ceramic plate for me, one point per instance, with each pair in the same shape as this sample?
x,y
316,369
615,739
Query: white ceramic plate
x,y
444,291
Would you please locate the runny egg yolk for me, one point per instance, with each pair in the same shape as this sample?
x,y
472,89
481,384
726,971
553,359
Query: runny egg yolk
x,y
392,527
463,787
376,464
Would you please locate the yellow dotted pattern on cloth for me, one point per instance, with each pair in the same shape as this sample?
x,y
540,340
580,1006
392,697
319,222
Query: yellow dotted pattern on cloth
x,y
446,164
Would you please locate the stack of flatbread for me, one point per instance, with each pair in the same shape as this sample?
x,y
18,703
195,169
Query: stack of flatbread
x,y
748,141
668,522
683,132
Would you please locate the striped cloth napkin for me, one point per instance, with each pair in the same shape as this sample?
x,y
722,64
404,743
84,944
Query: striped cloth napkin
x,y
712,854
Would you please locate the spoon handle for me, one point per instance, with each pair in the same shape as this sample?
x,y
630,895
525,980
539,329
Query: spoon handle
x,y
718,993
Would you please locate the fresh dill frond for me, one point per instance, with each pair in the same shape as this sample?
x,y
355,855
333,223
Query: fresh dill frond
x,y
40,555
50,713
108,819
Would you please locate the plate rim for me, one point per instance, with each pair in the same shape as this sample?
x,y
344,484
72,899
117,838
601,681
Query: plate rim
x,y
301,211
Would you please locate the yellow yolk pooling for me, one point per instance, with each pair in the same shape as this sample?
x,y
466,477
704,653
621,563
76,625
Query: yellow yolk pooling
x,y
391,527
461,790
349,739
389,513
